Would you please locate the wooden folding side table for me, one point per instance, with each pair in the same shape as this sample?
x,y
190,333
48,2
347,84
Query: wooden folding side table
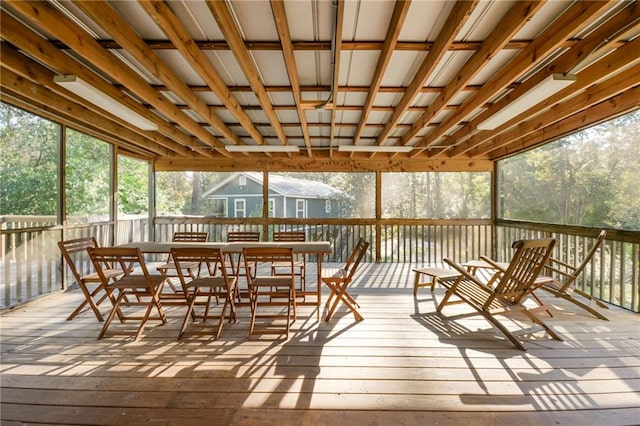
x,y
433,273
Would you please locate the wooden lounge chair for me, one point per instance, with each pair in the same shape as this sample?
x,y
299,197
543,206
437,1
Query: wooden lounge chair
x,y
299,264
562,283
340,281
135,281
204,283
75,253
509,291
267,292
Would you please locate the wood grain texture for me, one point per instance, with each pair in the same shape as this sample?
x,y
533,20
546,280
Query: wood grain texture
x,y
404,364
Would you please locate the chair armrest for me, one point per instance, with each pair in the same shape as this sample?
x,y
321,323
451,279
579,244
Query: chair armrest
x,y
493,263
463,271
551,261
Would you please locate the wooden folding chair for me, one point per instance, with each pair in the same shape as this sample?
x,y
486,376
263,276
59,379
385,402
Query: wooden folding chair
x,y
299,264
204,283
75,255
510,288
135,281
267,292
340,281
235,264
563,283
168,269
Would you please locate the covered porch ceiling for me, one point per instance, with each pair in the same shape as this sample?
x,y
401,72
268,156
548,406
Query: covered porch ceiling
x,y
320,75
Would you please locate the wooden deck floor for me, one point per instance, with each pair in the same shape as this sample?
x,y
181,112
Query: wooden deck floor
x,y
403,365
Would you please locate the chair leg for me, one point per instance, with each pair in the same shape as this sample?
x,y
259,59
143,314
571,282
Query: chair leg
x,y
189,314
504,330
112,314
221,319
538,321
88,300
578,303
340,292
542,307
154,303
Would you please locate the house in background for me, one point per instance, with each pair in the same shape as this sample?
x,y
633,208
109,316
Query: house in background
x,y
240,195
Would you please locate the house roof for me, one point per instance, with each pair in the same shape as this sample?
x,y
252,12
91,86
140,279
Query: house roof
x,y
321,75
286,186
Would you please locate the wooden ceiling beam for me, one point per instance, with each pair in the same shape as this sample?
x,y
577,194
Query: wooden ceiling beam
x,y
257,45
613,107
391,39
577,16
517,16
169,23
44,52
591,45
27,89
609,67
55,23
222,14
593,95
455,21
44,111
322,162
12,60
341,89
282,26
113,23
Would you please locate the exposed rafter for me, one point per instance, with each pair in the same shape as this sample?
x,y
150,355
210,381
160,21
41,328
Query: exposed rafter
x,y
576,17
416,74
391,40
160,12
282,25
224,18
457,18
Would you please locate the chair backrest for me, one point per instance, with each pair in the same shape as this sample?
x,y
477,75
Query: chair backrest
x,y
212,257
289,236
529,258
354,259
234,236
267,255
589,256
129,260
190,236
75,253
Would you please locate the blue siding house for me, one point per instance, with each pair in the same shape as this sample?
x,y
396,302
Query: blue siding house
x,y
240,195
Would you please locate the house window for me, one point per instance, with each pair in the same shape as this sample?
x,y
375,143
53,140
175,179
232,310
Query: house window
x,y
301,208
240,208
327,206
242,180
272,207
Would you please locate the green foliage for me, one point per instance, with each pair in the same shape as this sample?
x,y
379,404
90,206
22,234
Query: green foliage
x,y
88,175
133,182
28,163
588,179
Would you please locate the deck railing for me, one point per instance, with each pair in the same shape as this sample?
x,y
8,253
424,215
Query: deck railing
x,y
31,265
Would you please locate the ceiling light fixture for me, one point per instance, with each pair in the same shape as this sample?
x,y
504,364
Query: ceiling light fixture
x,y
547,87
375,148
262,148
83,89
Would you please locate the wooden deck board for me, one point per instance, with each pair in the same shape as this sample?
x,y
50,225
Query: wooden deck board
x,y
404,364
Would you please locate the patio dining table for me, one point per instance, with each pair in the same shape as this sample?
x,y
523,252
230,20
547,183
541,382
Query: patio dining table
x,y
318,248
